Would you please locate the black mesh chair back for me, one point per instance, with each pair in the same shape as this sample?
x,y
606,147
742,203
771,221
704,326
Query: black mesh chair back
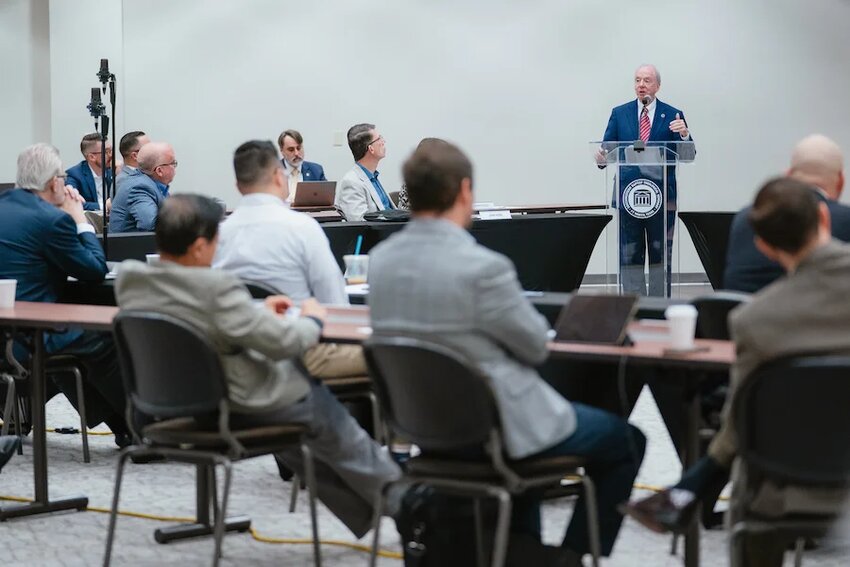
x,y
713,313
430,396
259,290
793,422
169,368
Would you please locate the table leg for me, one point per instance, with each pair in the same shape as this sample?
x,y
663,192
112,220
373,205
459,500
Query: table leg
x,y
692,448
42,504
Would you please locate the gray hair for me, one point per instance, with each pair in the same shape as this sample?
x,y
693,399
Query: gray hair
x,y
654,68
37,165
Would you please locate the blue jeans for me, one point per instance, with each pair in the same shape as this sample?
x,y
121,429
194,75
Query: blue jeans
x,y
614,451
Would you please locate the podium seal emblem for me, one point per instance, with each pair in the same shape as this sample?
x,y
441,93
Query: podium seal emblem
x,y
642,198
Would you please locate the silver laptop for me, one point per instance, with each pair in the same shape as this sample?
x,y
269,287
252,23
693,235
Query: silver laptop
x,y
315,194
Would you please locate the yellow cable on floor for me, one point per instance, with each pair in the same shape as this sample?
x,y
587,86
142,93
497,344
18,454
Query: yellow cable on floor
x,y
254,533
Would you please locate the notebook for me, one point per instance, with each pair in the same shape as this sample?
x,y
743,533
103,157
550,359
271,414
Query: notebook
x,y
599,319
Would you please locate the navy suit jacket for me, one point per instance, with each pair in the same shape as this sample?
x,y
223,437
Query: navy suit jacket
x,y
82,180
136,204
40,247
623,127
749,270
310,171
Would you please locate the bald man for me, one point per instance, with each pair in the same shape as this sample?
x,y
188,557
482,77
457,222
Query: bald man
x,y
817,161
646,226
141,193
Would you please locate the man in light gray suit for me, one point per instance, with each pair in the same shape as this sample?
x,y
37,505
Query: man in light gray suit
x,y
359,191
258,347
433,281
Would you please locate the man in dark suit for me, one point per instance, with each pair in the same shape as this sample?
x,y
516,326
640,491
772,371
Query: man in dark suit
x,y
44,238
143,191
88,175
817,161
641,227
291,145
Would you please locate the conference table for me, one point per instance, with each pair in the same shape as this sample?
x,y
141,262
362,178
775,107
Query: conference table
x,y
351,324
551,251
36,318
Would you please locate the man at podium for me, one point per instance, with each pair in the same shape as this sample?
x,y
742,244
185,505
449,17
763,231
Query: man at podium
x,y
639,194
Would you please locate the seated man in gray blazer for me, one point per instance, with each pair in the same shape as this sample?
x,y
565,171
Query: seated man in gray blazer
x,y
258,347
141,193
359,191
454,292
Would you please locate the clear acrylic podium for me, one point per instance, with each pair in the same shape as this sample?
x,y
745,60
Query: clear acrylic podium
x,y
640,179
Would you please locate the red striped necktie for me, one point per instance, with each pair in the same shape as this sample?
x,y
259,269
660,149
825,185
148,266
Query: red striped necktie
x,y
644,125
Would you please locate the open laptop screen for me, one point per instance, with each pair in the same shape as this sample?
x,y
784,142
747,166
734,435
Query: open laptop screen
x,y
600,319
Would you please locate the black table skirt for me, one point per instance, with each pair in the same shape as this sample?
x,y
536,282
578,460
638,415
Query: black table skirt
x,y
550,251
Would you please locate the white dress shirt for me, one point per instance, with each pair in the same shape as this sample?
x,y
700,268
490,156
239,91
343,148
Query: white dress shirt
x,y
293,180
264,241
98,185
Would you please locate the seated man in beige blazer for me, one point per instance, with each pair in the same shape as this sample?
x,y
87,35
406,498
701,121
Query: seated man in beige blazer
x,y
259,346
359,191
806,312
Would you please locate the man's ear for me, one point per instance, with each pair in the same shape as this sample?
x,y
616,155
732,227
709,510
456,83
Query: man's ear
x,y
766,249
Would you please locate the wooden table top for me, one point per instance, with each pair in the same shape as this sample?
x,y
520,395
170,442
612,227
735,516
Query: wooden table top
x,y
56,315
351,325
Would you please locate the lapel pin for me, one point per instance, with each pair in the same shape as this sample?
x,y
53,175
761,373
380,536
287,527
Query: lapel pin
x,y
662,116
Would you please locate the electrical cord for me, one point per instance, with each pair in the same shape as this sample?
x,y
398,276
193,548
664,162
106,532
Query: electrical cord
x,y
257,536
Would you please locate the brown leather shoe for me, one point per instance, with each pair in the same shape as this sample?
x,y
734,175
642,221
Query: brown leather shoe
x,y
670,510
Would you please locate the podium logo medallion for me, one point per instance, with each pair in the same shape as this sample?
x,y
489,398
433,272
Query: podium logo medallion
x,y
642,198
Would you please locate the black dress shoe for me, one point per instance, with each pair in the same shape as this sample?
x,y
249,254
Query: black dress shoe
x,y
8,445
123,440
670,510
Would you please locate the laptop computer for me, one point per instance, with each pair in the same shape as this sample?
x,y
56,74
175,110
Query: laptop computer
x,y
598,319
314,194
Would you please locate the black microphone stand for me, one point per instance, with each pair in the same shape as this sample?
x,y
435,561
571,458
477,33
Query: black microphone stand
x,y
108,187
97,110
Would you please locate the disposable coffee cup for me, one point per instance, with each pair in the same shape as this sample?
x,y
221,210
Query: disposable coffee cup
x,y
682,321
356,268
151,258
7,293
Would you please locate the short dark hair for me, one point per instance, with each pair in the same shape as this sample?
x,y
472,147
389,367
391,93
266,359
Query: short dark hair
x,y
433,175
254,160
183,219
359,138
87,142
129,142
294,134
785,214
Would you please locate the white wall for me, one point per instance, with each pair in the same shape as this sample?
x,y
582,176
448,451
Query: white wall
x,y
521,86
25,74
82,33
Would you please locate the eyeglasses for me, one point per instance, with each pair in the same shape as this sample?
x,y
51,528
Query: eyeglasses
x,y
61,176
172,164
376,140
